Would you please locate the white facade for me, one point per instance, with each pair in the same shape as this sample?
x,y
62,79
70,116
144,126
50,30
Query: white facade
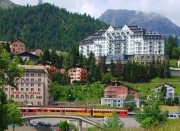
x,y
117,102
170,90
126,40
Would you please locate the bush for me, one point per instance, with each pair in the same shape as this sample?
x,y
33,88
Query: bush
x,y
169,101
151,115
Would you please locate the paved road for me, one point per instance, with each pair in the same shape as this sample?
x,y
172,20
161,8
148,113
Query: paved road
x,y
128,122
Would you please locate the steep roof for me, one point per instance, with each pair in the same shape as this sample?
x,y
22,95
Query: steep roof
x,y
17,40
119,83
164,84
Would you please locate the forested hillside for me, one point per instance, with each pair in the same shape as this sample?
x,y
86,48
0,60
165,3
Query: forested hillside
x,y
46,26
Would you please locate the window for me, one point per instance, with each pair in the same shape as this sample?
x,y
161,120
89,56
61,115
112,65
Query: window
x,y
32,89
27,96
31,97
39,85
32,84
12,96
22,96
22,89
39,75
39,89
22,84
17,96
32,75
6,89
32,80
27,79
39,80
12,89
39,103
27,75
27,89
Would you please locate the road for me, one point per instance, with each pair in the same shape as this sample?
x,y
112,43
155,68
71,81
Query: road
x,y
128,122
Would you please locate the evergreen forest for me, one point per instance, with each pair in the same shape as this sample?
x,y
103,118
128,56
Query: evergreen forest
x,y
46,26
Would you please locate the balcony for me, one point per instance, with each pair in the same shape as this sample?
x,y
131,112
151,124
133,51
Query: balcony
x,y
113,90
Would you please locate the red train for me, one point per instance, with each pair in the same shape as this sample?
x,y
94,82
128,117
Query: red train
x,y
80,111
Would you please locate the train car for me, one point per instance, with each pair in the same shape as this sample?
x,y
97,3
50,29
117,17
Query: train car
x,y
108,112
55,111
80,111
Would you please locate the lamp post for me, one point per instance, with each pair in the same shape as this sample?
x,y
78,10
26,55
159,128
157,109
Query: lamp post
x,y
178,106
69,99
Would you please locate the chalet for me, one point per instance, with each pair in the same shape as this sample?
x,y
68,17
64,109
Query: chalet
x,y
37,52
77,74
28,56
170,90
115,94
119,90
17,47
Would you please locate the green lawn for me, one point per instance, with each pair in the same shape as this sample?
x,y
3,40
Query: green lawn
x,y
173,63
96,91
147,88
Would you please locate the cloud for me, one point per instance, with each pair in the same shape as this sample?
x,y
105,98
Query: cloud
x,y
168,8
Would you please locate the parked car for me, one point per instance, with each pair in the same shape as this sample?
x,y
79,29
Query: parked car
x,y
33,123
41,124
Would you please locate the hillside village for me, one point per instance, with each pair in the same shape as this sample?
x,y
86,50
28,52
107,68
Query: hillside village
x,y
120,71
116,47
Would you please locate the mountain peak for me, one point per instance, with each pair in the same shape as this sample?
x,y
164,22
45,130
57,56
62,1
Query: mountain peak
x,y
149,21
5,4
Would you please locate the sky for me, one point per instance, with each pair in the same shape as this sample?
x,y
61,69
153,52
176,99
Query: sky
x,y
167,8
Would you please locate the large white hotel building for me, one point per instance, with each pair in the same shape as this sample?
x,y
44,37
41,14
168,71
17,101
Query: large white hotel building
x,y
125,43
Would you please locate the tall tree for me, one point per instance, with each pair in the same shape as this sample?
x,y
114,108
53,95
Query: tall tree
x,y
9,70
54,57
91,62
73,55
81,60
112,67
170,44
118,68
97,74
102,64
46,56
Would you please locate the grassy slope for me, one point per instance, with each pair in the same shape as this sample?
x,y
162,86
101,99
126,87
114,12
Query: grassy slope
x,y
146,88
95,91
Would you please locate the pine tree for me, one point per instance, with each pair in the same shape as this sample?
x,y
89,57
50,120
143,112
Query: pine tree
x,y
45,57
112,68
118,68
97,74
102,64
